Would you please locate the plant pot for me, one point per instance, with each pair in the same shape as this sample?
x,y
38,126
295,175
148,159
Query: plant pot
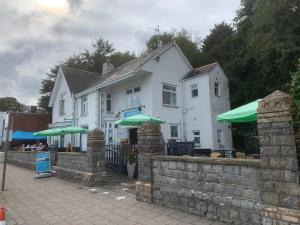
x,y
131,169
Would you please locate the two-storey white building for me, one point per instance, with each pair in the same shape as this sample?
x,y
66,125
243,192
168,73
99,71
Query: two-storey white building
x,y
161,83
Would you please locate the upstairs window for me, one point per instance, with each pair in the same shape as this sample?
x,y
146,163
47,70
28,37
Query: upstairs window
x,y
108,103
174,131
169,95
194,90
217,89
84,106
133,97
61,106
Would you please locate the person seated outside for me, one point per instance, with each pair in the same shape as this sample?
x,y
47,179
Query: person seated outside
x,y
40,147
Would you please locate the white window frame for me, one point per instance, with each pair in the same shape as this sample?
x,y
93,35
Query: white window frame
x,y
61,105
197,145
177,127
133,98
84,106
166,89
217,89
194,87
108,103
220,138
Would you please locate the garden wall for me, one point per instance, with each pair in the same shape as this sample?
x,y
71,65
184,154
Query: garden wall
x,y
227,190
86,168
238,192
23,159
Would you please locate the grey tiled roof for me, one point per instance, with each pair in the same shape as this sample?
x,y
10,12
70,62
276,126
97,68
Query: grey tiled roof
x,y
129,67
79,80
201,70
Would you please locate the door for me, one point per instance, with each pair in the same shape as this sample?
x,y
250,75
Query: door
x,y
109,133
133,136
62,141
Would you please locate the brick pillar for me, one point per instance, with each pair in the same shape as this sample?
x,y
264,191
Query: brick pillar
x,y
96,156
150,143
280,173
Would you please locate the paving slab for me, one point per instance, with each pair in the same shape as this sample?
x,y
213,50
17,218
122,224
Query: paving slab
x,y
55,201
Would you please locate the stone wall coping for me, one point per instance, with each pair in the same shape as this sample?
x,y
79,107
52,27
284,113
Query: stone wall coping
x,y
72,153
25,152
223,161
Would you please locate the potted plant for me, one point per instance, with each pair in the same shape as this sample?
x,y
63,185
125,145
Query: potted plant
x,y
131,162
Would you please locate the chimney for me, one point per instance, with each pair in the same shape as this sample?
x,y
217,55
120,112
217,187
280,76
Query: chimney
x,y
107,67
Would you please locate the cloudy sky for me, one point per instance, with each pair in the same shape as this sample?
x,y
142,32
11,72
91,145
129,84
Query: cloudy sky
x,y
36,34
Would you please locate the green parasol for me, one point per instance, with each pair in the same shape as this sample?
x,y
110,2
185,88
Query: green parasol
x,y
49,132
138,120
245,113
73,130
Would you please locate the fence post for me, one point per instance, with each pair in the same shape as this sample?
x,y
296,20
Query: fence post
x,y
96,156
280,172
150,143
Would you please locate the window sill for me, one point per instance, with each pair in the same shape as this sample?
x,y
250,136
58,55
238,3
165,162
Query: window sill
x,y
84,115
108,112
170,106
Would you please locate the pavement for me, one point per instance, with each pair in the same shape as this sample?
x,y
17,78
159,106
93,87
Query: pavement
x,y
51,200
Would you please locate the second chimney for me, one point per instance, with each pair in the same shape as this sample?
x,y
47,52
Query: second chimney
x,y
107,67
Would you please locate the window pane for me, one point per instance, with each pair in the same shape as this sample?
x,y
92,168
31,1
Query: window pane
x,y
166,98
217,89
169,87
137,89
129,91
197,140
196,133
195,93
173,99
174,131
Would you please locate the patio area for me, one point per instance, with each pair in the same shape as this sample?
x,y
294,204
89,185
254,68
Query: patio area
x,y
56,201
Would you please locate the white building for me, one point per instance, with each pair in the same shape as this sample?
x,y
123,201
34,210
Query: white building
x,y
161,84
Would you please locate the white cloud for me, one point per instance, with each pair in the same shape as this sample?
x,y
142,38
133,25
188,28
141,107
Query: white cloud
x,y
35,38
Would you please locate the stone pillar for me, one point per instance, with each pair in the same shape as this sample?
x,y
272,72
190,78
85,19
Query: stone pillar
x,y
150,143
280,172
96,156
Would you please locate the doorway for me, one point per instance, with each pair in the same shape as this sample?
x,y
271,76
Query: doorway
x,y
133,136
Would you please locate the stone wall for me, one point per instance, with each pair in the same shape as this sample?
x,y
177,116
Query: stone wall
x,y
280,172
226,190
238,192
23,159
86,168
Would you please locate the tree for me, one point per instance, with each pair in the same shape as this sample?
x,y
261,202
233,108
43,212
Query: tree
x,y
295,92
189,43
10,104
87,60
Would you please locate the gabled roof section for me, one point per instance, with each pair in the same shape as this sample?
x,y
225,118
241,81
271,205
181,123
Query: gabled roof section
x,y
201,70
135,65
79,80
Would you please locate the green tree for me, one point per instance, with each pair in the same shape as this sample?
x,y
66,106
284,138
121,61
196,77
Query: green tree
x,y
10,104
295,92
189,43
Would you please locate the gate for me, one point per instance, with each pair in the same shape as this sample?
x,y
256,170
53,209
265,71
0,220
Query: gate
x,y
116,157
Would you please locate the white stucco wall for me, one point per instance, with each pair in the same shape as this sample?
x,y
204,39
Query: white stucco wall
x,y
220,105
169,69
62,90
198,111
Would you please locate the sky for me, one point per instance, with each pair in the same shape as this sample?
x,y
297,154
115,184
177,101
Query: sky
x,y
37,34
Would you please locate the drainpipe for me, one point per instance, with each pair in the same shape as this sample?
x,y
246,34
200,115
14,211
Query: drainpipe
x,y
183,110
99,109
